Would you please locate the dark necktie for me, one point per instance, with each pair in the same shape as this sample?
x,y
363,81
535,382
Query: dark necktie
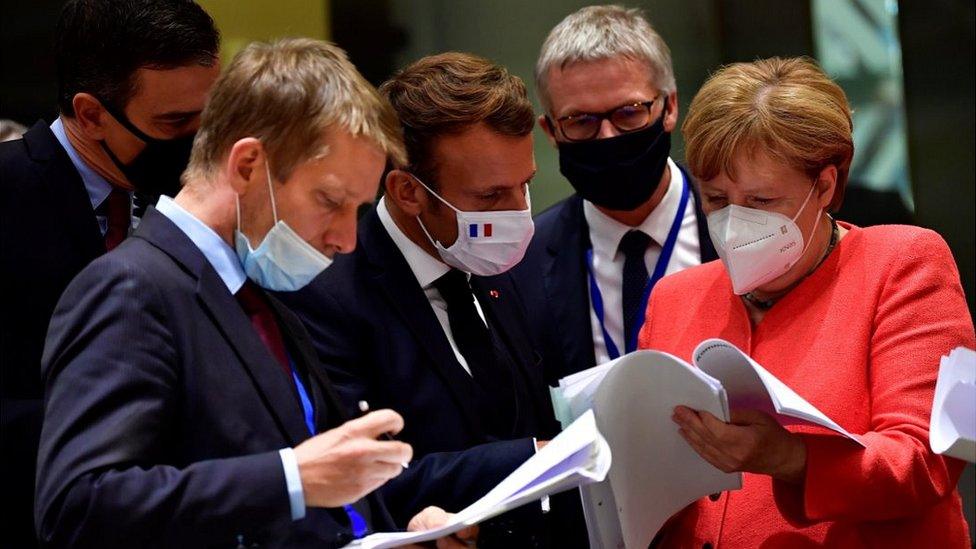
x,y
256,306
469,331
119,213
634,246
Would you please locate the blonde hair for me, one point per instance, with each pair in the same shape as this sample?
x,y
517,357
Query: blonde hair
x,y
595,33
287,95
786,108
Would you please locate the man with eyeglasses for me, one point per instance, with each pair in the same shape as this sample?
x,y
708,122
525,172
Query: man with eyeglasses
x,y
605,80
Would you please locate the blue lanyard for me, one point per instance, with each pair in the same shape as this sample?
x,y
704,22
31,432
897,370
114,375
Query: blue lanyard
x,y
356,521
630,342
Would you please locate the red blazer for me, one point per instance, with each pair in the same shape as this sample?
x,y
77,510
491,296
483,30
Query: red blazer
x,y
861,339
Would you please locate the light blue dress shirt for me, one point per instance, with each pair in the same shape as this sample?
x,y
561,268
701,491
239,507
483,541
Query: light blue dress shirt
x,y
97,186
224,260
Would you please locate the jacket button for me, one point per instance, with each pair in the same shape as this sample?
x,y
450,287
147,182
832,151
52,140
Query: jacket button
x,y
707,545
714,497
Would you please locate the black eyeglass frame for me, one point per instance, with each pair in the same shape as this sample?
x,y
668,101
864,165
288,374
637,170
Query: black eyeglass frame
x,y
607,115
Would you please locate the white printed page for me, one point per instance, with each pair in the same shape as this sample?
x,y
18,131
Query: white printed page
x,y
953,425
655,472
576,456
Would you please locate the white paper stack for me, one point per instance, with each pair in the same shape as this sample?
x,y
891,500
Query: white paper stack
x,y
579,455
953,425
655,472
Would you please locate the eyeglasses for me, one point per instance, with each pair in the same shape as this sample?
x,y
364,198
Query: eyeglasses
x,y
626,118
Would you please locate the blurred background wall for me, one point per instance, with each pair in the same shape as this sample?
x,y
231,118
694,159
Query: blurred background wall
x,y
907,67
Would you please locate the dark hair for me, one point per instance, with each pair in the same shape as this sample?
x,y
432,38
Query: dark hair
x,y
101,44
447,93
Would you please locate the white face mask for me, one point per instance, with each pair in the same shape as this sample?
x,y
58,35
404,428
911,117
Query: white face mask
x,y
488,243
756,246
283,262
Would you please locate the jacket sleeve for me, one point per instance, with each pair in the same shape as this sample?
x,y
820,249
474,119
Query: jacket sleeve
x,y
108,445
453,480
921,315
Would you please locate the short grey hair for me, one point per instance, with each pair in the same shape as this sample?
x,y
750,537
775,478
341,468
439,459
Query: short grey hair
x,y
595,33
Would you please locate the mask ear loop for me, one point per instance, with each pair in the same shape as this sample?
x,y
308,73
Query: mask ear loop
x,y
421,223
809,241
274,207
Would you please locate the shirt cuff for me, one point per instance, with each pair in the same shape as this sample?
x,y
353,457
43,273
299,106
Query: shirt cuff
x,y
293,480
545,499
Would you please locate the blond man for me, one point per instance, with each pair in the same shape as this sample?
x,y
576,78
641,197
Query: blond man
x,y
184,405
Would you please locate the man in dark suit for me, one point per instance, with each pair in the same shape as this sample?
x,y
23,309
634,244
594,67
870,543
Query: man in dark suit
x,y
605,79
423,317
129,107
184,406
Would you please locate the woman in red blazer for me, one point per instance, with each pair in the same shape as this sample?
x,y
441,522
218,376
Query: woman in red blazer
x,y
854,319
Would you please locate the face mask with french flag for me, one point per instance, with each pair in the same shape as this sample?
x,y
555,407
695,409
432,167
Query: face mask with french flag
x,y
488,243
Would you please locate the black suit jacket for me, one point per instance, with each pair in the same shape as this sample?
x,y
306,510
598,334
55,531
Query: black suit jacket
x,y
49,234
552,281
378,337
165,412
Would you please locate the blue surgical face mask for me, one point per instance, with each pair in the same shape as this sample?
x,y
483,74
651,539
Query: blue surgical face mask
x,y
283,262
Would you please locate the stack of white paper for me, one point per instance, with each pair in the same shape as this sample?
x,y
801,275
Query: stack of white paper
x,y
579,455
953,425
655,472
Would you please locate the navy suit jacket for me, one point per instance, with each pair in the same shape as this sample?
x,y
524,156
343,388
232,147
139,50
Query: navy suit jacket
x,y
165,412
48,234
552,281
378,337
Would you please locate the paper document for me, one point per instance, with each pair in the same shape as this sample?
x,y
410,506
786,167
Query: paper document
x,y
578,455
655,472
952,429
750,386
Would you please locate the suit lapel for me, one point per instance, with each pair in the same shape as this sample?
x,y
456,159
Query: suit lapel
x,y
304,351
262,368
706,248
566,286
401,290
506,317
70,203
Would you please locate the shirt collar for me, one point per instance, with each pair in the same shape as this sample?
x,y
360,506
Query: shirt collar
x,y
97,186
219,254
606,232
425,268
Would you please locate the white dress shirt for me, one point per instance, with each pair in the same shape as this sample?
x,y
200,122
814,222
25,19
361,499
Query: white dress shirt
x,y
608,261
427,270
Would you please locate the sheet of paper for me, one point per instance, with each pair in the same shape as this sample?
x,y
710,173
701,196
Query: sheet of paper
x,y
655,473
953,425
750,386
577,456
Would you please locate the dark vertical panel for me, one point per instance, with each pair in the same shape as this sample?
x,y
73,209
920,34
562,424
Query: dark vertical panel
x,y
937,50
28,85
764,28
363,28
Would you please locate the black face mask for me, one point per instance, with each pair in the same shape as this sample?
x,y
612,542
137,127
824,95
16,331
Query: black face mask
x,y
617,173
157,169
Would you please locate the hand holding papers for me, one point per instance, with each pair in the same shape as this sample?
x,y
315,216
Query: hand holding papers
x,y
579,455
655,472
953,426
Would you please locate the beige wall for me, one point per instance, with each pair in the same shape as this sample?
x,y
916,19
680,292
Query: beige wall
x,y
242,22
